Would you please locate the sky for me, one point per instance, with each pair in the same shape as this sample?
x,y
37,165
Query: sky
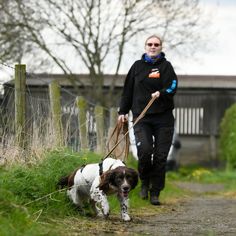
x,y
218,59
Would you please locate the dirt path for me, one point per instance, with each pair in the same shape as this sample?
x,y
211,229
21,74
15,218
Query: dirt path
x,y
200,215
204,213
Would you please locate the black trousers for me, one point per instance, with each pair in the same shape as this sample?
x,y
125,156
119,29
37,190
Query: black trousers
x,y
153,136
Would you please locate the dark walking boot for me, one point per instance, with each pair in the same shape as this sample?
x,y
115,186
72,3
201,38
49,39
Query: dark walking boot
x,y
154,199
144,190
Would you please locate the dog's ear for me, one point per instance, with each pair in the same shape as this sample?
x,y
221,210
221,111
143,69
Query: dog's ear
x,y
105,179
134,175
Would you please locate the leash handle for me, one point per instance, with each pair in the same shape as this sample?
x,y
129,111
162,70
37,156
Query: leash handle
x,y
136,121
121,127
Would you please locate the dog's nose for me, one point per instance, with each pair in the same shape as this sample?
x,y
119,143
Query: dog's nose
x,y
126,188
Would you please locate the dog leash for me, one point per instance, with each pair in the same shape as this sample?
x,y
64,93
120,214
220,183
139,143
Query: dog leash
x,y
142,114
120,128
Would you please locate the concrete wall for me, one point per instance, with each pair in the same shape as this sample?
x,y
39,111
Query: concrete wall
x,y
198,150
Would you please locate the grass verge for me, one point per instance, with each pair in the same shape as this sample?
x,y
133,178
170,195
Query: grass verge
x,y
30,203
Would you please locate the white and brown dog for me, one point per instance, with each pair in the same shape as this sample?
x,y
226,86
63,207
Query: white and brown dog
x,y
94,182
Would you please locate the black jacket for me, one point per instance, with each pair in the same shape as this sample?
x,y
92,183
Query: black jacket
x,y
145,78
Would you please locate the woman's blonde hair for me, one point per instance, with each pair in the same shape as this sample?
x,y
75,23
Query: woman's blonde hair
x,y
153,36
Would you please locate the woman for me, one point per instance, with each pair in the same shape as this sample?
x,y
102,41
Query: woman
x,y
152,76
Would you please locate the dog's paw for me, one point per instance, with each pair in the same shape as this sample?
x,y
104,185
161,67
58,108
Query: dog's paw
x,y
100,214
106,215
126,217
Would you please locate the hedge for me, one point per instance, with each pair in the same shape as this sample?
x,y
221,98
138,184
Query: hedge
x,y
227,140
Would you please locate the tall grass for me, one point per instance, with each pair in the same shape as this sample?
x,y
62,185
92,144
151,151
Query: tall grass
x,y
39,136
39,132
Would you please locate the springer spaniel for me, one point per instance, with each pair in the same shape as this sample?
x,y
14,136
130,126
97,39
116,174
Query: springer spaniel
x,y
94,182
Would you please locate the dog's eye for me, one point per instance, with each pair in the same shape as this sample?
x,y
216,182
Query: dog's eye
x,y
120,178
128,177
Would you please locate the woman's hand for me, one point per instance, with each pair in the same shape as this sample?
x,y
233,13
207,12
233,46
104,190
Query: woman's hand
x,y
156,94
122,118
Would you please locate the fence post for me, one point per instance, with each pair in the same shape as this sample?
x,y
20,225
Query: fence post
x,y
20,105
99,117
55,95
83,131
113,117
111,140
113,120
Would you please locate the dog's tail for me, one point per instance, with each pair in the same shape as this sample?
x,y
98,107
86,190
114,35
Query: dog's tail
x,y
67,181
63,182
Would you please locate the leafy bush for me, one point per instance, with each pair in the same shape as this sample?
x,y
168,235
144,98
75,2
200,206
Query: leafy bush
x,y
227,139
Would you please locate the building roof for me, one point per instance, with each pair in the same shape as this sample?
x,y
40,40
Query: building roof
x,y
207,81
185,81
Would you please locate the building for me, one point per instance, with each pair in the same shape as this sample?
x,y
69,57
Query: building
x,y
200,105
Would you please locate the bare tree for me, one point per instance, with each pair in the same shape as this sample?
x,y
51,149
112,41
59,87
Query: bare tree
x,y
10,38
95,32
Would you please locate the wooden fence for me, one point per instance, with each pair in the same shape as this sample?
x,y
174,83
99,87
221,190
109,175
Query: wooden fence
x,y
78,124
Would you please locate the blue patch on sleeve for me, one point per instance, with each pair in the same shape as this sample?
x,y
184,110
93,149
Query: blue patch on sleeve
x,y
172,87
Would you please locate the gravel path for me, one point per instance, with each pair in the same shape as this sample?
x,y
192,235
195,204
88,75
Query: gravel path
x,y
200,215
197,216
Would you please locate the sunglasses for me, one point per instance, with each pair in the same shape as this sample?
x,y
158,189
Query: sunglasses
x,y
155,44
